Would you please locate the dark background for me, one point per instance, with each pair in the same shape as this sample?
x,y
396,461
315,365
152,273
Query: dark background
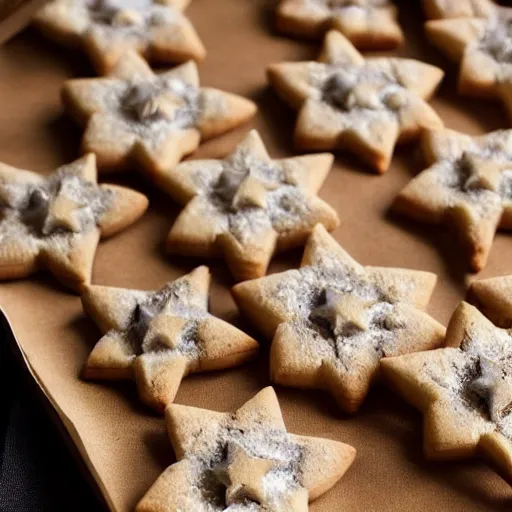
x,y
37,469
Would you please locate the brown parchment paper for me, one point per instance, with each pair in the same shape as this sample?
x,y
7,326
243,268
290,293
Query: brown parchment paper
x,y
16,14
124,444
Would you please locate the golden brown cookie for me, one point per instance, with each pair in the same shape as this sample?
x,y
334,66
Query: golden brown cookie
x,y
493,296
367,24
56,221
159,337
463,390
332,320
106,29
366,106
442,9
247,206
243,461
468,185
483,46
135,117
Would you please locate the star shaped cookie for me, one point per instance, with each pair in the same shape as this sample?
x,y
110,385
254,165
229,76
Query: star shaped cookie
x,y
248,206
463,390
333,320
106,29
493,296
137,117
362,105
56,221
442,9
159,337
468,184
367,24
244,461
483,46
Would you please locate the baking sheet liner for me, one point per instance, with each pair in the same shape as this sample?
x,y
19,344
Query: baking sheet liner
x,y
123,443
16,14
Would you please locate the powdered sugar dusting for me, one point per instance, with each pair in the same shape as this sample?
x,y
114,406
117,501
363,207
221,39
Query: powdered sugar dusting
x,y
246,506
457,371
212,454
496,40
12,230
338,314
151,109
359,91
340,7
363,4
176,300
464,172
249,197
119,18
53,211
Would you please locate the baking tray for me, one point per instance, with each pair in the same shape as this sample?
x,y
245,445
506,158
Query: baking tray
x,y
123,444
16,14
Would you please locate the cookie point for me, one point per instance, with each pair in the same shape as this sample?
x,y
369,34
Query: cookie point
x,y
243,292
462,312
275,71
267,392
87,290
247,107
196,48
335,35
328,158
253,133
480,289
388,365
478,259
237,110
201,272
382,167
88,158
319,230
464,307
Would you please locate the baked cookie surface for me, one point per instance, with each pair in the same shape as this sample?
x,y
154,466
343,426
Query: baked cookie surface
x,y
483,48
136,117
439,9
493,296
160,337
106,29
362,105
56,221
332,320
367,24
243,461
248,206
468,185
464,390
